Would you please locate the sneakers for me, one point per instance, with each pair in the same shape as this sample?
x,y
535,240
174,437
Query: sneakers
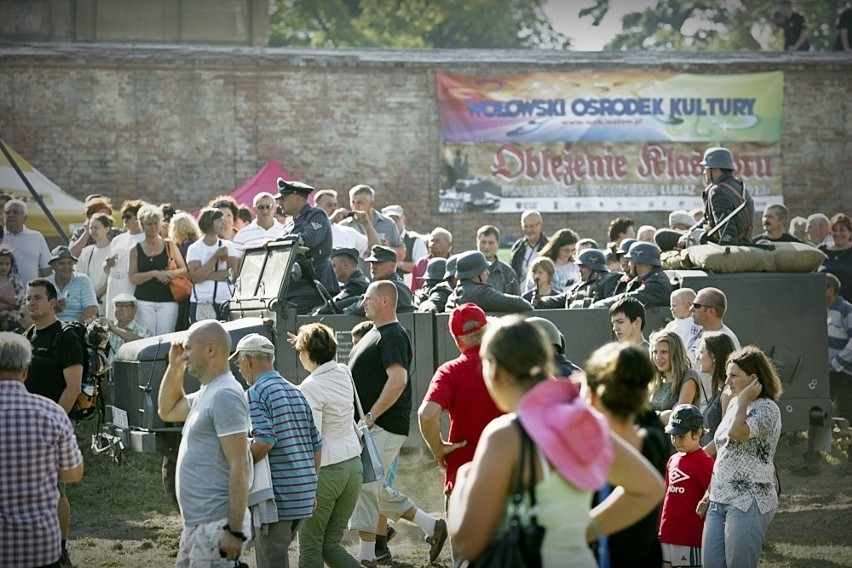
x,y
384,557
437,540
391,533
369,563
64,559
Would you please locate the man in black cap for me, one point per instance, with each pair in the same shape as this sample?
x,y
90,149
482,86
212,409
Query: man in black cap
x,y
472,273
383,267
314,230
436,270
353,283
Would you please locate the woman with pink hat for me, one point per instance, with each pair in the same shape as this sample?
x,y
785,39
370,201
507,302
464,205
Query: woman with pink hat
x,y
575,454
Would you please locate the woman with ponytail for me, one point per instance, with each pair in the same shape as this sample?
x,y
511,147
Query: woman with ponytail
x,y
574,454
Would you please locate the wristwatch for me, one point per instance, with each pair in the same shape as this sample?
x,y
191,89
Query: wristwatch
x,y
369,416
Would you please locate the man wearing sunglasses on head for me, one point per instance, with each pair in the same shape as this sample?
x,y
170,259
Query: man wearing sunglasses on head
x,y
264,228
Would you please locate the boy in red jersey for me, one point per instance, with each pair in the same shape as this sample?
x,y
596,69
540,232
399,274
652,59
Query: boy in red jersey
x,y
687,478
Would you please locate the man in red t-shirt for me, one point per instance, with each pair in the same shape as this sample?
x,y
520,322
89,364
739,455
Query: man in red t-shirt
x,y
458,388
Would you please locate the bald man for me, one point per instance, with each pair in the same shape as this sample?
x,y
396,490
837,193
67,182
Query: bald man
x,y
212,466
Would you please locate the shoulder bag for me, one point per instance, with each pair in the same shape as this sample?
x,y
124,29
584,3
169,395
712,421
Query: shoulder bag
x,y
520,545
371,459
181,286
213,309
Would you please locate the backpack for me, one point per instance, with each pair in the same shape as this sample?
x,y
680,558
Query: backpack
x,y
96,365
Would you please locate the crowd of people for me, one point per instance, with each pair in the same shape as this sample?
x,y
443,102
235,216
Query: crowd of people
x,y
656,415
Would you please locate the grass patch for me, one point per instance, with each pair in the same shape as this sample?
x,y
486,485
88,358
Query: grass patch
x,y
130,495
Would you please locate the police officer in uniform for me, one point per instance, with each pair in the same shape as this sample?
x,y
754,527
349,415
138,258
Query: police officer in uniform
x,y
721,196
650,284
597,283
473,287
314,231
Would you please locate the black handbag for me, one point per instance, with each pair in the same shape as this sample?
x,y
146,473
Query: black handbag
x,y
520,545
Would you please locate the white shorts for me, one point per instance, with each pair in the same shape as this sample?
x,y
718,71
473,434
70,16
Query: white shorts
x,y
681,556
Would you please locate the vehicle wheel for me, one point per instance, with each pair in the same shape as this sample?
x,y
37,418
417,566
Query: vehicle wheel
x,y
169,473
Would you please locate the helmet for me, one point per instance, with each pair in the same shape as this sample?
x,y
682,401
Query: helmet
x,y
470,264
435,269
644,253
551,332
718,157
594,259
625,246
451,267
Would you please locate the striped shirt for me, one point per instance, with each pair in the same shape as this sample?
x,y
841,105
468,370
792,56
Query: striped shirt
x,y
281,416
79,294
36,441
840,336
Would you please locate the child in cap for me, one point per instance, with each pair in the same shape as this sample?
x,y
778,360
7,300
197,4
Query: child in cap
x,y
687,479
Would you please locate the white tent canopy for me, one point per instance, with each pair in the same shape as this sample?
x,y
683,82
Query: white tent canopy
x,y
67,210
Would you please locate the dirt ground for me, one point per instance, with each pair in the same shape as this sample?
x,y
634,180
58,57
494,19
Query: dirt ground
x,y
122,518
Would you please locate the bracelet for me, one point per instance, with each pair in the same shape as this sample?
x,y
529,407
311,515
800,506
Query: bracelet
x,y
237,534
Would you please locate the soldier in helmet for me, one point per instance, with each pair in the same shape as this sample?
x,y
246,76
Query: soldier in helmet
x,y
473,287
564,366
314,231
436,301
650,284
436,269
597,282
721,196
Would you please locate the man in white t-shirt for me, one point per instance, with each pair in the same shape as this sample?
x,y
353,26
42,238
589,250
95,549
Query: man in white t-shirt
x,y
265,227
32,256
341,235
708,309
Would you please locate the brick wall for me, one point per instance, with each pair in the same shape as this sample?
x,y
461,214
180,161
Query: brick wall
x,y
183,124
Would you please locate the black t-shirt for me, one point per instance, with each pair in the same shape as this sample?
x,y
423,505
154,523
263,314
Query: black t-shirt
x,y
379,349
637,545
793,28
844,22
45,375
784,238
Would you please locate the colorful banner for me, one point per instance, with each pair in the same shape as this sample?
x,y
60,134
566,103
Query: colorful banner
x,y
588,176
613,141
611,107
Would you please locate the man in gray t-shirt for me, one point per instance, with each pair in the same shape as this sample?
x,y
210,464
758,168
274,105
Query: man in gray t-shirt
x,y
213,465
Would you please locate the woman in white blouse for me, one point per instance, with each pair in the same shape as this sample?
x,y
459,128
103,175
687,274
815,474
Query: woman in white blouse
x,y
330,392
743,493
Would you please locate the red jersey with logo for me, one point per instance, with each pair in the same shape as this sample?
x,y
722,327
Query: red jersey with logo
x,y
687,478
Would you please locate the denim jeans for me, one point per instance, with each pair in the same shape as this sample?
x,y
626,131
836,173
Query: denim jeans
x,y
733,538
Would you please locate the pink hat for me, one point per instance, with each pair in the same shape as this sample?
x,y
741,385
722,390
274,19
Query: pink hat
x,y
573,437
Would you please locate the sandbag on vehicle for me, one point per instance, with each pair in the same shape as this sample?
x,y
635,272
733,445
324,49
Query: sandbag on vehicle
x,y
767,257
795,257
729,258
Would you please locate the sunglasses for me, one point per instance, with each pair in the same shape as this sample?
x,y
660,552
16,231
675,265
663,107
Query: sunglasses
x,y
222,203
699,306
264,206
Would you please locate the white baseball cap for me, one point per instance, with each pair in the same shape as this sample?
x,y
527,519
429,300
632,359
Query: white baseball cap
x,y
254,342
